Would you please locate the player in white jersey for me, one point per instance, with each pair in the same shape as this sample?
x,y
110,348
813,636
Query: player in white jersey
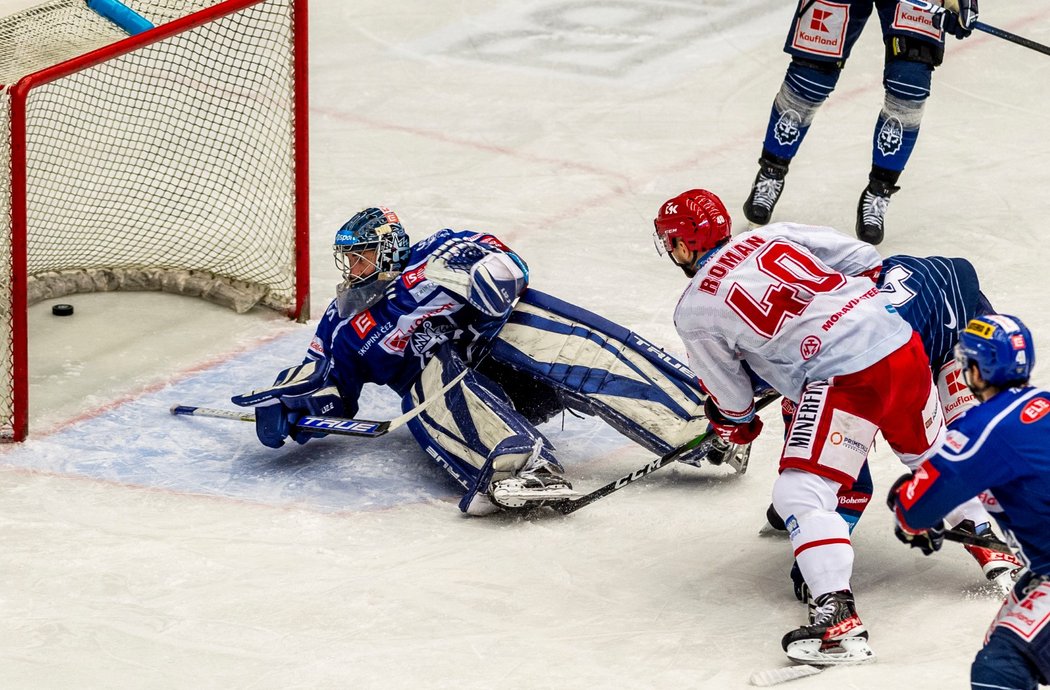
x,y
786,300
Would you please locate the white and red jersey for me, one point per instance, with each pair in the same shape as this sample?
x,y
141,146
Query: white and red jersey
x,y
784,299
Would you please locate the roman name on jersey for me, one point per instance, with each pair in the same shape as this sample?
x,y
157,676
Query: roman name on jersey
x,y
728,259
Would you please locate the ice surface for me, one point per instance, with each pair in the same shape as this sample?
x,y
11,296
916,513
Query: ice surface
x,y
147,551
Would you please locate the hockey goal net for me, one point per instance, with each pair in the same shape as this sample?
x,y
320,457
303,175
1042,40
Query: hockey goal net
x,y
174,160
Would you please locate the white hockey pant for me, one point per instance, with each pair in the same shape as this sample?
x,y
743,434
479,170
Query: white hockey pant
x,y
820,537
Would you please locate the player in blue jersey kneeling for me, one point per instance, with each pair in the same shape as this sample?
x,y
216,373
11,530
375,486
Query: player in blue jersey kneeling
x,y
999,450
414,317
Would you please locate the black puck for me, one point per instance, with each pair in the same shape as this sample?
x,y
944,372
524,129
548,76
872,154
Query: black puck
x,y
62,310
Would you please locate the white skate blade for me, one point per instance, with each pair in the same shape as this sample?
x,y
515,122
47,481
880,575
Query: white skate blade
x,y
776,676
851,650
1004,582
513,494
739,458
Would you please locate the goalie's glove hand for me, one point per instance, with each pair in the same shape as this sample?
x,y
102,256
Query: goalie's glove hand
x,y
488,279
926,540
958,19
275,420
729,430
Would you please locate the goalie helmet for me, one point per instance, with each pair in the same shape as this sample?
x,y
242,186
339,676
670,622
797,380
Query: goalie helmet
x,y
371,250
1001,347
696,218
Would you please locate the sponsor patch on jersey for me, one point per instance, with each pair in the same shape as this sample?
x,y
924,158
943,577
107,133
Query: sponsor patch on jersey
x,y
956,441
822,29
911,18
363,323
412,278
792,526
1035,410
316,346
920,483
810,347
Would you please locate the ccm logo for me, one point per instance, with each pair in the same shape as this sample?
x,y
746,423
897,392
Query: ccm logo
x,y
1035,410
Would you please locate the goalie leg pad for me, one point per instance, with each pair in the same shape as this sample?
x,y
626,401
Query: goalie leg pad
x,y
473,432
602,369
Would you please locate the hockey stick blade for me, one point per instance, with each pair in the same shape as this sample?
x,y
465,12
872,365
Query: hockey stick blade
x,y
701,443
975,540
986,28
776,676
338,426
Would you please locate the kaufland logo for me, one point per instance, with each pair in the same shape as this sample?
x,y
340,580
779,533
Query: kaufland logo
x,y
817,21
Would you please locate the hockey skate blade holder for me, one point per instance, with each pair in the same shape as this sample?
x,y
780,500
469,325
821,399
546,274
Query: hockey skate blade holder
x,y
517,492
848,650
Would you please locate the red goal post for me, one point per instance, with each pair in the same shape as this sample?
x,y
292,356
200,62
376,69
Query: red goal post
x,y
173,160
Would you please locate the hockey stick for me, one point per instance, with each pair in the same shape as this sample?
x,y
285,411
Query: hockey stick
x,y
975,540
987,28
703,442
338,426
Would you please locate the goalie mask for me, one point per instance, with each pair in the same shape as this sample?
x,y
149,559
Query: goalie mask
x,y
697,218
370,251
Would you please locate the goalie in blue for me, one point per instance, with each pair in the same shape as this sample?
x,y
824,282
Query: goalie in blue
x,y
414,317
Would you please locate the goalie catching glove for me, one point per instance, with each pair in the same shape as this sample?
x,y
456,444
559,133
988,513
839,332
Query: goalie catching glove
x,y
297,392
926,540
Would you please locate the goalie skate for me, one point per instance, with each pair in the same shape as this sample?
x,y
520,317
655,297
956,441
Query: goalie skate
x,y
531,489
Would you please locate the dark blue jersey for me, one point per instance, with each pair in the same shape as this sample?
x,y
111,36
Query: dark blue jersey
x,y
936,295
999,450
390,342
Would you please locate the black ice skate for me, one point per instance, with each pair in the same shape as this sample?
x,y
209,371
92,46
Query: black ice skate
x,y
766,190
836,635
871,210
531,488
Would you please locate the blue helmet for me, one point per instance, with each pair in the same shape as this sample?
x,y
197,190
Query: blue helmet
x,y
1001,347
371,249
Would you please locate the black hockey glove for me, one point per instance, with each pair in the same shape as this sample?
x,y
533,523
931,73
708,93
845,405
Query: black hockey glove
x,y
958,19
926,540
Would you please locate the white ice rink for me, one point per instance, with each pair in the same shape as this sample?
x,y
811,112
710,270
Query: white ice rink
x,y
141,550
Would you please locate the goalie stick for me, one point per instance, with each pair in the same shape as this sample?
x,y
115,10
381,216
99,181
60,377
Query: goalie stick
x,y
701,443
338,426
986,28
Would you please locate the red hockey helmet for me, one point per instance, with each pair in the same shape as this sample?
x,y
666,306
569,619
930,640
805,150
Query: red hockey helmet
x,y
697,217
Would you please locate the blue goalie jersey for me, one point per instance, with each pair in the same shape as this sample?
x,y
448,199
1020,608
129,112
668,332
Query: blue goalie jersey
x,y
999,450
390,342
936,295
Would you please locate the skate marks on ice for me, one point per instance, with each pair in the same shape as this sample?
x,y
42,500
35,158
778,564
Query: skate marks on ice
x,y
615,40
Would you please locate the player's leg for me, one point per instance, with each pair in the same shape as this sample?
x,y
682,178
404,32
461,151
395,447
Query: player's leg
x,y
819,42
599,368
475,434
1016,653
826,447
913,49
